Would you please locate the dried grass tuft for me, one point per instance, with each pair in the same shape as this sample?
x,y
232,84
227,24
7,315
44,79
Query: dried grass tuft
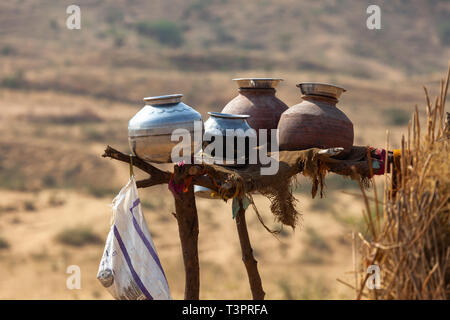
x,y
410,233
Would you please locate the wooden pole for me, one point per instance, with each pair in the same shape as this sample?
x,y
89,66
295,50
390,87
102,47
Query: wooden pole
x,y
186,214
247,255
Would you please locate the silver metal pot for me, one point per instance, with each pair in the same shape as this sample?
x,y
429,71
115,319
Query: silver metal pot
x,y
221,125
150,130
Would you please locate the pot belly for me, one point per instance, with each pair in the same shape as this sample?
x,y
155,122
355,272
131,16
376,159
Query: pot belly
x,y
298,132
158,148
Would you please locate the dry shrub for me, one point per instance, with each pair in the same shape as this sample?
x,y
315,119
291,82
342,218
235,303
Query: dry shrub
x,y
78,237
4,244
68,118
409,233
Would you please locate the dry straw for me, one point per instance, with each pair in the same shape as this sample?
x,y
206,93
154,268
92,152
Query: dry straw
x,y
409,236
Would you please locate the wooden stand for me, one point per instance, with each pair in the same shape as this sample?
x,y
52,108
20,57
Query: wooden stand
x,y
187,218
186,211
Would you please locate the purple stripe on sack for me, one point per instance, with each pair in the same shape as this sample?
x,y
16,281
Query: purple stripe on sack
x,y
128,260
144,239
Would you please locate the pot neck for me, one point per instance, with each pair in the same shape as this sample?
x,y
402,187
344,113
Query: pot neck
x,y
257,91
316,98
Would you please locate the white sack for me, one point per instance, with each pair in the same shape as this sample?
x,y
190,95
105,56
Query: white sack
x,y
130,268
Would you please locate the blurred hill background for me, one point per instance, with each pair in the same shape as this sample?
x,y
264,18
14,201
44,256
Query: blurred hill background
x,y
66,94
123,47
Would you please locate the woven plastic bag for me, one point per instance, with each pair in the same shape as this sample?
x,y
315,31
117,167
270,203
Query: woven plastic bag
x,y
130,268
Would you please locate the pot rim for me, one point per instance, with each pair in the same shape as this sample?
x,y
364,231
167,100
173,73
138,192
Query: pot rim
x,y
165,99
317,90
229,115
257,83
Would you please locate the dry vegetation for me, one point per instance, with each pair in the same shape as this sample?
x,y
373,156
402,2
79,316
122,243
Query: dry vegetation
x,y
64,95
409,234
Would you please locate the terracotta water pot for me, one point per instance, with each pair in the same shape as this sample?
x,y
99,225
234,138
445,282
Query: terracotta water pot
x,y
316,122
257,99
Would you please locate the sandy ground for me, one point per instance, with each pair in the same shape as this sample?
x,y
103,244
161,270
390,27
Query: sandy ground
x,y
293,266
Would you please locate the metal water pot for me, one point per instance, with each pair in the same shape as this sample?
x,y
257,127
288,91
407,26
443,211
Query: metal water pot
x,y
150,130
216,127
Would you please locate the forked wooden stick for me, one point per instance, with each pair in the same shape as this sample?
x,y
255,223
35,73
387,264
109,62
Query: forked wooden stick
x,y
247,255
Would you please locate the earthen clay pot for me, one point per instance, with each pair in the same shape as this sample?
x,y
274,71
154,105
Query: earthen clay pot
x,y
316,122
257,99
